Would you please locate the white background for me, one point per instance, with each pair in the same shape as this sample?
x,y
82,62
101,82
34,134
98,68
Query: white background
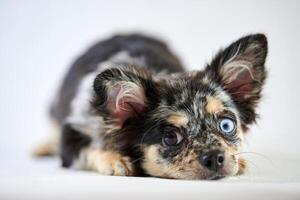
x,y
40,39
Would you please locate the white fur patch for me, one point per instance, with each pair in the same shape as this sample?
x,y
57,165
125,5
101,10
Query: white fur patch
x,y
124,56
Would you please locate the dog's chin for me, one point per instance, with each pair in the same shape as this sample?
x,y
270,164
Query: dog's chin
x,y
200,176
212,176
216,177
222,174
209,175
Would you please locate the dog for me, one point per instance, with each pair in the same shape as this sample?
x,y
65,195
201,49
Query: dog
x,y
128,107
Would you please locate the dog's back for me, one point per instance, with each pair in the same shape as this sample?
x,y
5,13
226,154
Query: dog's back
x,y
72,100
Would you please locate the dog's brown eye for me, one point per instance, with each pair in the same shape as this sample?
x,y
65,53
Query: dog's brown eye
x,y
172,139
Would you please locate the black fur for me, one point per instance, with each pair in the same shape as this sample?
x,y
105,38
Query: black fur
x,y
72,142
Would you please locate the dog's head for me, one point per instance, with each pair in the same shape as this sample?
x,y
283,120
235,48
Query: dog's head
x,y
188,125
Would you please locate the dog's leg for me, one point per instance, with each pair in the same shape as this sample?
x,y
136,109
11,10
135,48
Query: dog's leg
x,y
50,146
106,162
78,152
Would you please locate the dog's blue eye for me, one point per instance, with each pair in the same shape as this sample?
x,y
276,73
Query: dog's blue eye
x,y
227,126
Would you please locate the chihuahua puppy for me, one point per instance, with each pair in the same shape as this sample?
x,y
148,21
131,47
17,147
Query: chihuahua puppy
x,y
128,107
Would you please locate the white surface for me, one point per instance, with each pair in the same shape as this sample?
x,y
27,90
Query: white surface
x,y
39,39
267,179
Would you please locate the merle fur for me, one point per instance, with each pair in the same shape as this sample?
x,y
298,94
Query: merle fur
x,y
72,141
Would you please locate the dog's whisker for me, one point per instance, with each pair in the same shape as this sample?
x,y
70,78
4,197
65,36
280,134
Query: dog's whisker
x,y
252,163
256,154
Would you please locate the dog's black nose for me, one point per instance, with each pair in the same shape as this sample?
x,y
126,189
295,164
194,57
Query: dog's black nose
x,y
213,160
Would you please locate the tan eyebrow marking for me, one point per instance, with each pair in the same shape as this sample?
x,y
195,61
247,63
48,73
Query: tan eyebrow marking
x,y
178,119
214,105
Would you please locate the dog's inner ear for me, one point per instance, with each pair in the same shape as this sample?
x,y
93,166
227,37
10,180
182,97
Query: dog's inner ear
x,y
238,78
125,99
240,67
121,93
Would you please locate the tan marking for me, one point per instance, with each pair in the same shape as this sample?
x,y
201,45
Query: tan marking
x,y
152,163
185,167
178,119
214,105
242,166
105,162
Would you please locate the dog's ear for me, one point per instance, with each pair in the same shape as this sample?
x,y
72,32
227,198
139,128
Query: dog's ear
x,y
240,70
122,93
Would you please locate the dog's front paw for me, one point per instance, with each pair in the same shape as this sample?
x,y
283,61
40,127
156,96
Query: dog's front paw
x,y
112,163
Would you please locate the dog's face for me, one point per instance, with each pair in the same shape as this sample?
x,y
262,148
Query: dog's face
x,y
188,125
195,132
